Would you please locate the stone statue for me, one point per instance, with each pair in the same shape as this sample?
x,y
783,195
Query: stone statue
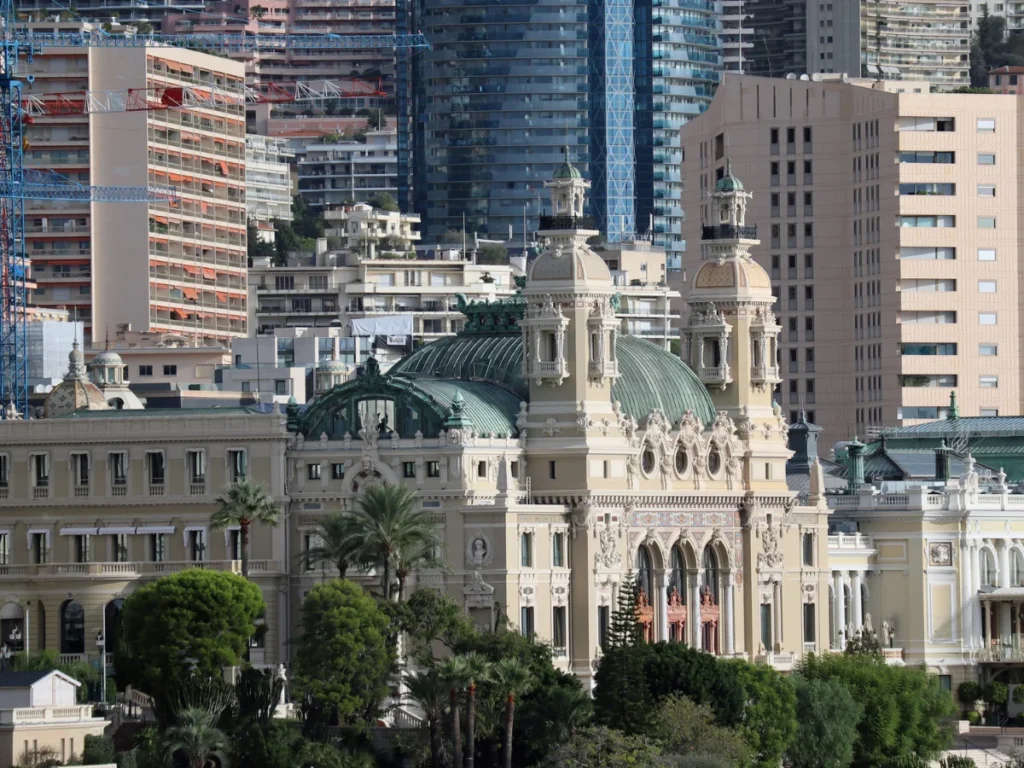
x,y
281,675
885,634
633,471
382,428
867,624
850,632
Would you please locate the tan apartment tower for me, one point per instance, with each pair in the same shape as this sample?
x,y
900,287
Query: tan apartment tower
x,y
892,241
178,268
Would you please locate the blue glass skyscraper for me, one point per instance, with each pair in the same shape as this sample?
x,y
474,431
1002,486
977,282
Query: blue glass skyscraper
x,y
677,66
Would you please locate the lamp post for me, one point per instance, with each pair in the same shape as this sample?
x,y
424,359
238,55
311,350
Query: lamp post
x,y
101,643
14,638
5,658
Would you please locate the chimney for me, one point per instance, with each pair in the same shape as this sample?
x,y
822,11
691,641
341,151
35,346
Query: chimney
x,y
855,476
942,454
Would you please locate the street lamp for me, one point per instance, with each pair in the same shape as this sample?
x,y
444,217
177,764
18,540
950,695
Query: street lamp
x,y
100,643
5,658
15,636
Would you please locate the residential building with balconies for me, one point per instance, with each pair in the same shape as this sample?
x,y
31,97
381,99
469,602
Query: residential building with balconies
x,y
177,268
366,230
344,173
648,307
268,178
885,215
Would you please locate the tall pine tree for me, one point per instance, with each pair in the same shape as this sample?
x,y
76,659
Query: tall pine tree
x,y
622,699
624,631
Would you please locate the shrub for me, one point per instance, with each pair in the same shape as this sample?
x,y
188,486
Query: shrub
x,y
974,717
957,761
1018,694
996,694
98,751
968,692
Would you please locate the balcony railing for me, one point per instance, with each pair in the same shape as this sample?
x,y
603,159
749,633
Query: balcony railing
x,y
728,232
567,222
131,569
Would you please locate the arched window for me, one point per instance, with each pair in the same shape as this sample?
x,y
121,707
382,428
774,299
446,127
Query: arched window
x,y
112,621
678,576
1017,568
710,566
12,626
643,570
72,627
988,568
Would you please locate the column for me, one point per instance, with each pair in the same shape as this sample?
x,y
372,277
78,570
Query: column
x,y
966,617
693,611
1002,609
1003,617
1004,563
855,594
777,615
727,609
840,603
661,580
977,614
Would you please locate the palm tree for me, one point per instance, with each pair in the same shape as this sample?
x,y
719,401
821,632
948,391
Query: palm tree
x,y
568,710
479,671
455,673
512,677
196,737
338,542
430,691
245,503
418,554
389,522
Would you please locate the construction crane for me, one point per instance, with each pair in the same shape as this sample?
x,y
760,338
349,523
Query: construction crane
x,y
75,103
18,185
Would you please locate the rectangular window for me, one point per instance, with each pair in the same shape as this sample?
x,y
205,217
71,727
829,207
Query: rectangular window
x,y
809,633
3,470
928,222
158,547
766,625
603,621
338,471
313,471
119,545
558,627
551,469
988,350
986,222
928,380
986,190
526,550
928,349
409,469
234,544
197,545
41,470
170,370
808,542
433,469
196,462
987,318
80,463
922,412
481,469
82,548
40,548
927,253
558,550
928,317
927,188
946,682
238,463
155,467
927,285
145,370
118,469
310,542
526,621
988,382
985,158
986,254
986,125
5,549
986,286
944,158
989,412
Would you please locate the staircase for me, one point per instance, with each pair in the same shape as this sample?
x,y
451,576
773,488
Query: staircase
x,y
983,750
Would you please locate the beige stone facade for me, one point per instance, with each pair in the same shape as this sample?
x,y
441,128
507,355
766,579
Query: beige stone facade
x,y
888,225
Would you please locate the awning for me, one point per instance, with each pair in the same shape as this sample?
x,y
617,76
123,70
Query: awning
x,y
389,325
158,219
189,269
223,167
79,531
186,68
113,530
190,293
181,315
155,529
222,297
64,262
209,274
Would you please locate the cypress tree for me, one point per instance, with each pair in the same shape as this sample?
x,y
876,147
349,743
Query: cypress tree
x,y
623,630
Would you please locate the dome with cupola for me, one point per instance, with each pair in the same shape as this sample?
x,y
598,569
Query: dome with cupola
x,y
75,392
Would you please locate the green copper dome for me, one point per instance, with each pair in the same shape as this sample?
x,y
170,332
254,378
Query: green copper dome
x,y
567,170
729,183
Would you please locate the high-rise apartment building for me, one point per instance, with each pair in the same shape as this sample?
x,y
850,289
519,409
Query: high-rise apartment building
x,y
349,171
890,232
156,267
736,34
506,88
268,178
888,39
124,11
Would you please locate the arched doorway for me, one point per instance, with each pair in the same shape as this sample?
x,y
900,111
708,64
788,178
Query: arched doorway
x,y
676,599
112,623
644,584
709,606
12,627
72,627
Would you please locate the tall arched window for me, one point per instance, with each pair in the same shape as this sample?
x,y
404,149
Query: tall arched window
x,y
710,566
72,627
678,575
988,568
643,570
112,620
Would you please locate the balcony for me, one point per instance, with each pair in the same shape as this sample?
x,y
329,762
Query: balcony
x,y
111,570
567,222
728,232
197,488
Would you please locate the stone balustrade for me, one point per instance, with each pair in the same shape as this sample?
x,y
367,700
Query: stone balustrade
x,y
39,715
130,570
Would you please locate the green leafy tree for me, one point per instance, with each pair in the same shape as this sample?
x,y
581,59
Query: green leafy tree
x,y
195,738
285,241
256,247
769,716
383,200
343,659
676,668
98,750
905,709
685,728
194,621
432,617
391,527
245,503
430,692
827,718
696,761
263,745
996,694
338,542
624,631
492,253
602,747
969,693
257,12
44,661
375,119
259,693
456,674
512,678
305,221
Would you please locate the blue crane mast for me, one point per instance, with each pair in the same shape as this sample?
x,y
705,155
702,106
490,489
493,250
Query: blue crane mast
x,y
18,185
